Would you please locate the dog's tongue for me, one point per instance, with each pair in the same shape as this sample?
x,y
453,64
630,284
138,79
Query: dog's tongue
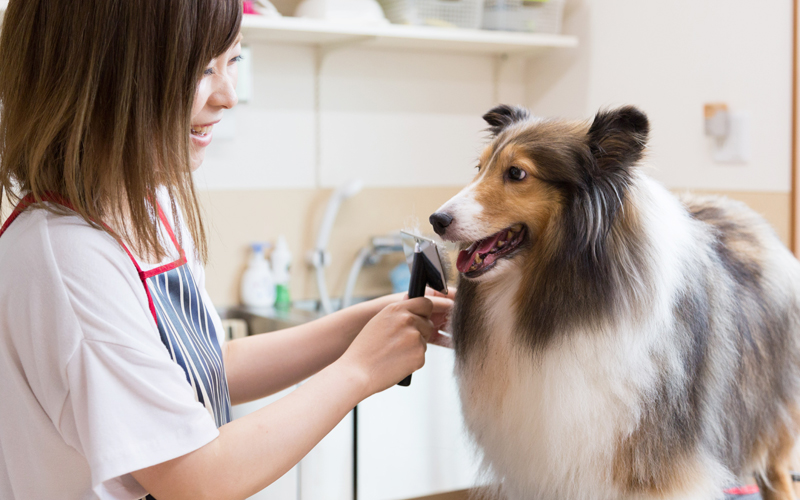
x,y
466,257
464,260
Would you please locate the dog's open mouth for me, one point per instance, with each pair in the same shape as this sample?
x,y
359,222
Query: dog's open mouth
x,y
482,255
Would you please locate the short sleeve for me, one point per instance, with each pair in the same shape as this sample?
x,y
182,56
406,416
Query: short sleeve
x,y
130,410
128,405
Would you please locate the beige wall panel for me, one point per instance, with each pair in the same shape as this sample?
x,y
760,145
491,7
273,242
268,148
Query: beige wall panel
x,y
236,218
774,207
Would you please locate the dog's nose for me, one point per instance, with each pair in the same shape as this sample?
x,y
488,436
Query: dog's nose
x,y
440,221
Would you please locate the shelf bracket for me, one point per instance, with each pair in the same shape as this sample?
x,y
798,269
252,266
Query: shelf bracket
x,y
328,48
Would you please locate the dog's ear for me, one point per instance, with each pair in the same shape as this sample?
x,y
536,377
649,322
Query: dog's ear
x,y
504,115
618,137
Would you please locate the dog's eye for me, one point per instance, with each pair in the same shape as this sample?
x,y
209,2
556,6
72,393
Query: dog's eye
x,y
516,174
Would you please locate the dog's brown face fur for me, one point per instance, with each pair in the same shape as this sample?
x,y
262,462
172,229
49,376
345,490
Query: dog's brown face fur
x,y
537,171
563,186
508,200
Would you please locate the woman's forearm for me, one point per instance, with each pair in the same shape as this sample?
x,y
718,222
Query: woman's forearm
x,y
260,365
254,451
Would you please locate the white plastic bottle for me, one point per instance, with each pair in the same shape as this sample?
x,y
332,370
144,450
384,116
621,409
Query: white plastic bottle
x,y
258,284
281,263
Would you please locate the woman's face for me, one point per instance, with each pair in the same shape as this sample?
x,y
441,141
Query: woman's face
x,y
216,92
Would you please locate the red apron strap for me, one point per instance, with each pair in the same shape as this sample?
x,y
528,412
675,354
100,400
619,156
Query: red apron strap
x,y
172,265
29,200
21,206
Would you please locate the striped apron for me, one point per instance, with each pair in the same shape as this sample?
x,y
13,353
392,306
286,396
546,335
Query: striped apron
x,y
183,321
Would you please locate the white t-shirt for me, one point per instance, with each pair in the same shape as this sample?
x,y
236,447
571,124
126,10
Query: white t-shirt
x,y
88,392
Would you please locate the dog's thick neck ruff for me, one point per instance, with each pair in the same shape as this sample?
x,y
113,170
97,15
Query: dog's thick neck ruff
x,y
580,248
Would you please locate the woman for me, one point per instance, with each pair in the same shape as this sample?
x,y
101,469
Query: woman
x,y
114,382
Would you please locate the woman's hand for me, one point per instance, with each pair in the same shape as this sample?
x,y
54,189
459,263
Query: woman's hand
x,y
441,319
392,345
440,316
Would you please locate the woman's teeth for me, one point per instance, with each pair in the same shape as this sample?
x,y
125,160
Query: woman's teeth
x,y
201,131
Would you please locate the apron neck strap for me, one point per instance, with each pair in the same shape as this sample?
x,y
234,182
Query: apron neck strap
x,y
29,200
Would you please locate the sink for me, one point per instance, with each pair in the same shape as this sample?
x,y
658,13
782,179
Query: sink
x,y
268,319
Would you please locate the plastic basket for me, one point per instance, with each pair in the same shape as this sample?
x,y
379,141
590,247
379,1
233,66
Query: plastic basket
x,y
533,16
456,13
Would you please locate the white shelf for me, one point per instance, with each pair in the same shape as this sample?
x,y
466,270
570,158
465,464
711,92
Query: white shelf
x,y
324,33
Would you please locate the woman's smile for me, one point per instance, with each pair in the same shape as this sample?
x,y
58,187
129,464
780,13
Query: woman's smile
x,y
216,92
202,134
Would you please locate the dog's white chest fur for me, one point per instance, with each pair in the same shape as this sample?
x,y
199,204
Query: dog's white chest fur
x,y
552,421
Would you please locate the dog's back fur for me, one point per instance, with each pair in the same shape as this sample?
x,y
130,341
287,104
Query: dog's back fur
x,y
638,345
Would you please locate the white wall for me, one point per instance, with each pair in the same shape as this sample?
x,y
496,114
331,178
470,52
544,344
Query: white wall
x,y
670,58
413,118
274,144
391,118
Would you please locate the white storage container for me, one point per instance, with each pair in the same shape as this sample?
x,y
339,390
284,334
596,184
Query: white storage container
x,y
455,13
533,16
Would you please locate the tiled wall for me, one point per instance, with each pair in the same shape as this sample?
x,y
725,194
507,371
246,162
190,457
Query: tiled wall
x,y
238,217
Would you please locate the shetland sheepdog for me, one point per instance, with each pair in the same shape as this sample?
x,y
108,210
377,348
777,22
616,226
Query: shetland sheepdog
x,y
614,341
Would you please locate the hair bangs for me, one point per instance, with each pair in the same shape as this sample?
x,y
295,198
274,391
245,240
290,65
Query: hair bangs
x,y
218,25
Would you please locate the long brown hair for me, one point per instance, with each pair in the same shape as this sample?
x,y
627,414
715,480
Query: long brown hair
x,y
95,106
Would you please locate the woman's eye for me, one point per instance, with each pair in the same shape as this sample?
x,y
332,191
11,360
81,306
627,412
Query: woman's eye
x,y
208,71
516,174
237,59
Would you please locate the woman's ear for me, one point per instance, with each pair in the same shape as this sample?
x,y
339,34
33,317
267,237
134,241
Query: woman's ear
x,y
618,137
504,115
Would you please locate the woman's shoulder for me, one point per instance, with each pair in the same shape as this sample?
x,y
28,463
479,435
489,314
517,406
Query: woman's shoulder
x,y
79,280
38,237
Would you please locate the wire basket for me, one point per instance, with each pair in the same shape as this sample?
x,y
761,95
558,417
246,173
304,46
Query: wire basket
x,y
533,16
452,13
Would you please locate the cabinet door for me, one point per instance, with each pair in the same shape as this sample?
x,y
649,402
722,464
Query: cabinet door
x,y
285,488
411,440
326,473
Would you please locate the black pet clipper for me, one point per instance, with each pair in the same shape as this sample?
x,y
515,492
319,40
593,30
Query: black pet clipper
x,y
427,270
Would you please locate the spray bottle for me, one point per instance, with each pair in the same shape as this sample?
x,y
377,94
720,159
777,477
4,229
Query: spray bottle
x,y
281,263
258,286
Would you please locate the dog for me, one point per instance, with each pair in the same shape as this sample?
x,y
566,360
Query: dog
x,y
614,341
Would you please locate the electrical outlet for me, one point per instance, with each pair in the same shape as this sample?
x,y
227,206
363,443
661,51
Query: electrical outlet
x,y
735,147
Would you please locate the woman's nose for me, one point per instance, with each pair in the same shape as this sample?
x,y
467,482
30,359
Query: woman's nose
x,y
224,95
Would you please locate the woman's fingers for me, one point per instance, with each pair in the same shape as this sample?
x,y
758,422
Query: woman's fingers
x,y
421,306
451,293
441,311
426,329
441,339
441,321
441,305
